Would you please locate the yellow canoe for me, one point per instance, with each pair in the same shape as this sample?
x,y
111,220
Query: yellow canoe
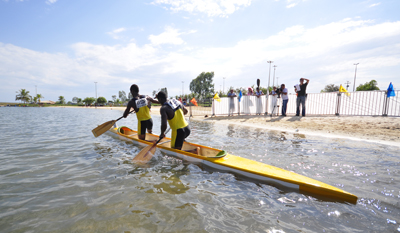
x,y
251,169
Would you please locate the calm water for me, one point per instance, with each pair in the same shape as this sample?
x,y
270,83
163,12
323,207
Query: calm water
x,y
56,177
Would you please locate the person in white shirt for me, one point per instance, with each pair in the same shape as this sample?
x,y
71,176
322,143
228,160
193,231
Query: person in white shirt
x,y
285,99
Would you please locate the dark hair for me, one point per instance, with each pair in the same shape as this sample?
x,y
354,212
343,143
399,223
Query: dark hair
x,y
134,88
283,84
161,95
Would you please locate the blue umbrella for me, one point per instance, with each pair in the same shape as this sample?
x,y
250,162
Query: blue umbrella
x,y
390,90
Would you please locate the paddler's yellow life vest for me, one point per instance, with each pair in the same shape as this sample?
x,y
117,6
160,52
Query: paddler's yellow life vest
x,y
144,111
178,121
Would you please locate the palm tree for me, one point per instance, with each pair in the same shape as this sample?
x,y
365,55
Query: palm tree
x,y
61,99
23,95
39,96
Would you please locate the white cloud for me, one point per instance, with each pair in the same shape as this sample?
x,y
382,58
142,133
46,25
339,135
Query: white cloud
x,y
375,4
51,1
169,36
221,8
326,52
293,3
116,33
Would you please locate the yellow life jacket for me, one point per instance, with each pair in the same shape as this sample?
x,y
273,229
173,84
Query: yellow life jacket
x,y
144,111
178,121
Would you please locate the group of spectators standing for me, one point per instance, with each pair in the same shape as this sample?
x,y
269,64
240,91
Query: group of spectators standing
x,y
300,90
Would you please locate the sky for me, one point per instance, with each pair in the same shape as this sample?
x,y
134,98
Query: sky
x,y
87,48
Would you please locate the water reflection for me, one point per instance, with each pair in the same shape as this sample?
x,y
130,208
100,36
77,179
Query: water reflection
x,y
93,186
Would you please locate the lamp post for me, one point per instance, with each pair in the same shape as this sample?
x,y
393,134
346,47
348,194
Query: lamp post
x,y
223,87
273,80
269,77
95,87
355,74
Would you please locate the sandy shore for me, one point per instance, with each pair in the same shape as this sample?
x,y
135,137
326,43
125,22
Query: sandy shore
x,y
385,130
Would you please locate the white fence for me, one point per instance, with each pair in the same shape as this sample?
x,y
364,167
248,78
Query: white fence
x,y
362,103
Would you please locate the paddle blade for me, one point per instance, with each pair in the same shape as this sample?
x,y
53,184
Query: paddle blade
x,y
99,130
146,154
258,82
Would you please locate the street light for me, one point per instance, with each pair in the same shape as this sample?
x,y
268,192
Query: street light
x,y
355,74
273,81
269,75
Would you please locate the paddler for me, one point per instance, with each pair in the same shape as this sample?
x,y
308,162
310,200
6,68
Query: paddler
x,y
173,111
141,104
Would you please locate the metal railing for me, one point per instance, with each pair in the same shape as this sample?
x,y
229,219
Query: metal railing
x,y
361,103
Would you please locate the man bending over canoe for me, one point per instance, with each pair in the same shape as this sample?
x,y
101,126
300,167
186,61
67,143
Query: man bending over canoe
x,y
141,104
172,111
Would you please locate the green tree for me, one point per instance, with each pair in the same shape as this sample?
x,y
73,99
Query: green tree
x,y
114,98
164,89
122,96
89,100
101,100
23,95
368,86
75,100
117,102
39,96
203,84
330,88
61,99
79,100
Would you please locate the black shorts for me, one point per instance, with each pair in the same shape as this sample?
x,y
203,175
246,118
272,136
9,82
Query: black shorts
x,y
181,134
143,125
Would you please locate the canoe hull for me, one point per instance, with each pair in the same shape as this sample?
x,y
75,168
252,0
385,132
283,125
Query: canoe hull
x,y
247,168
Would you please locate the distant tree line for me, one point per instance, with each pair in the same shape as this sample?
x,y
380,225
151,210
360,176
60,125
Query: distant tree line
x,y
202,87
368,86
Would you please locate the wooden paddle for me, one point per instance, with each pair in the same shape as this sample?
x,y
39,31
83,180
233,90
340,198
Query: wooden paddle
x,y
258,83
99,130
147,153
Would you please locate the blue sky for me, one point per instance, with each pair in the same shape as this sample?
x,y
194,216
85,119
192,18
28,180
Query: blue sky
x,y
62,47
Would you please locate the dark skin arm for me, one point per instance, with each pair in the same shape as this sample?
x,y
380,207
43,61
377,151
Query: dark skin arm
x,y
168,113
131,104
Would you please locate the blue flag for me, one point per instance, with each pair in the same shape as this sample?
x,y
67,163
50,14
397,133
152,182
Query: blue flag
x,y
240,95
390,90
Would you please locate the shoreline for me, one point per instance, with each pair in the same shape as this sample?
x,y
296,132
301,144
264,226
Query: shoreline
x,y
377,129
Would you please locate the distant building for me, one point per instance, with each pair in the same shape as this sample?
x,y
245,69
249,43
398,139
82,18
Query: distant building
x,y
47,102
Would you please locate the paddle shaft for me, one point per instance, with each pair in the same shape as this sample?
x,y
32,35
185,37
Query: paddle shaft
x,y
123,116
155,144
162,137
149,150
99,130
